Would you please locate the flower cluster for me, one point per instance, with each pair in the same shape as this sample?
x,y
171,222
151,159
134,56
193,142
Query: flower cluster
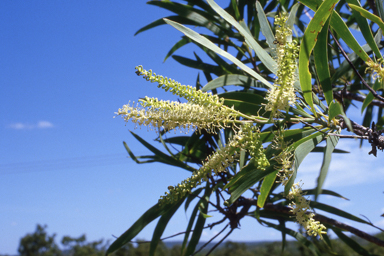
x,y
245,139
187,92
376,69
284,159
254,145
168,115
282,95
300,208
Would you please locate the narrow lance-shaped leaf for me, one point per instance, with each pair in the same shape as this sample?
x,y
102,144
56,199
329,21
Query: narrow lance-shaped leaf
x,y
205,42
351,243
370,96
342,30
265,28
197,231
161,225
150,215
320,54
302,149
232,79
368,15
268,182
307,45
265,58
365,29
331,144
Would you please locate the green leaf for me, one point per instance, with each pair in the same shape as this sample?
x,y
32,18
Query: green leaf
x,y
190,224
320,53
351,243
266,28
265,58
365,29
324,192
307,45
268,181
341,213
232,79
331,144
368,15
335,109
192,196
162,157
341,29
292,15
299,237
161,225
246,178
205,42
150,215
370,96
197,231
302,149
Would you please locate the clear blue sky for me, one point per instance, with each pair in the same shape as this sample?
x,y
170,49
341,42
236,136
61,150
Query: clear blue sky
x,y
65,68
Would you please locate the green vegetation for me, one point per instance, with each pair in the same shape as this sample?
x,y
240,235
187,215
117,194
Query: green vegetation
x,y
287,88
40,243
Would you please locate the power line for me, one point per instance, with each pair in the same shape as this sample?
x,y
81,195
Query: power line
x,y
64,163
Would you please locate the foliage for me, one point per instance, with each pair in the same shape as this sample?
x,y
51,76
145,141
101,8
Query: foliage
x,y
38,243
287,90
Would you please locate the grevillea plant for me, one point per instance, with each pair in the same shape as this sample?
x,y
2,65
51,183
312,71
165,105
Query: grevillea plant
x,y
294,91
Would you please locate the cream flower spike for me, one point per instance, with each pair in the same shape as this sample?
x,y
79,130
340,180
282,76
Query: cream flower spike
x,y
187,92
282,95
300,207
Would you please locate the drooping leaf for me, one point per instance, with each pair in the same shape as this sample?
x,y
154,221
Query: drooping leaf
x,y
331,144
351,243
307,45
265,58
265,27
320,53
150,215
368,15
341,213
268,181
162,157
301,149
365,29
161,225
370,96
299,237
205,42
197,231
232,79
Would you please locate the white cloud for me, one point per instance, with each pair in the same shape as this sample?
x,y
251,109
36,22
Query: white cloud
x,y
27,126
44,124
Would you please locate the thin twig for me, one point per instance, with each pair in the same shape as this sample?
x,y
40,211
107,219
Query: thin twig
x,y
358,97
202,247
377,96
214,247
305,123
349,136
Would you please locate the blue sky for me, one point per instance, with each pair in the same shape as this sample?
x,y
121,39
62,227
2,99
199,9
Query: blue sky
x,y
65,68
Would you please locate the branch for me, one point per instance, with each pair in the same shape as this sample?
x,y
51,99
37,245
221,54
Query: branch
x,y
202,247
214,247
329,221
377,96
358,97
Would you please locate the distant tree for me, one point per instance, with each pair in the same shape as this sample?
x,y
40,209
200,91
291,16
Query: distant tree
x,y
80,247
39,244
